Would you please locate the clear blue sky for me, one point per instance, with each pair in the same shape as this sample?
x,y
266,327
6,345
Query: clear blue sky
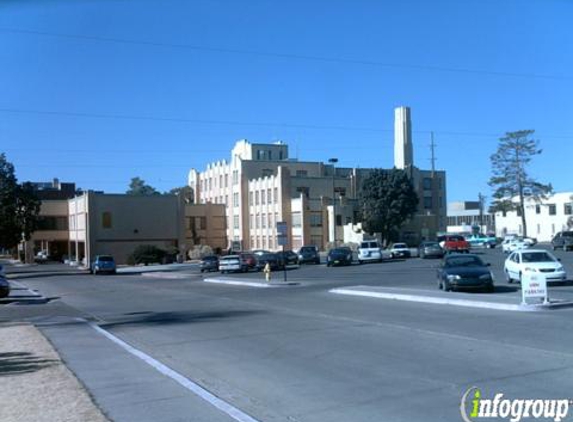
x,y
96,92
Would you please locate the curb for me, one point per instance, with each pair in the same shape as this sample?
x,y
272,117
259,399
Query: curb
x,y
452,302
249,283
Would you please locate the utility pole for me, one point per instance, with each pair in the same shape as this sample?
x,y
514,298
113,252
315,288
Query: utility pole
x,y
433,153
481,199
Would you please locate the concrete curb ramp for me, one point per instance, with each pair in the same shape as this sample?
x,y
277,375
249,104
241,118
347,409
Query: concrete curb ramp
x,y
449,301
262,285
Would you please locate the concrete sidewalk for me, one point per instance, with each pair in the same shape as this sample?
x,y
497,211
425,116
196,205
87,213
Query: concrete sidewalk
x,y
36,385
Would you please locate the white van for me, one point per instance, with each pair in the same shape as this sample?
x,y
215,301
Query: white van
x,y
369,251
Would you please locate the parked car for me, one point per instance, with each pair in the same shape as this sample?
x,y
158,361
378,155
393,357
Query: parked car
x,y
482,241
511,245
271,258
230,263
370,251
209,263
287,258
430,250
459,271
4,287
454,243
563,240
103,264
534,260
400,250
259,252
248,261
339,256
308,254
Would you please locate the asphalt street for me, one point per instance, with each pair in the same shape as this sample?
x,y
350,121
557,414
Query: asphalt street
x,y
300,353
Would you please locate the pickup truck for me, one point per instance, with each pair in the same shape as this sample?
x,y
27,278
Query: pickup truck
x,y
454,243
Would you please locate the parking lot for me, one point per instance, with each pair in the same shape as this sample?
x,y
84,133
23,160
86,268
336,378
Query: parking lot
x,y
299,352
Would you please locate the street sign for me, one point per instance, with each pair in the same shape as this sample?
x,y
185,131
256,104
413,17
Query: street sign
x,y
281,228
282,240
533,286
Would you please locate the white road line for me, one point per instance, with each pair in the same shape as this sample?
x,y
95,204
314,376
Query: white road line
x,y
215,401
434,300
236,282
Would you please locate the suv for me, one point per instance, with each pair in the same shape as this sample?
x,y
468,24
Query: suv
x,y
209,263
308,254
369,250
103,264
563,240
454,243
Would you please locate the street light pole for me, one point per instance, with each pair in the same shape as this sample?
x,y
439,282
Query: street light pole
x,y
333,161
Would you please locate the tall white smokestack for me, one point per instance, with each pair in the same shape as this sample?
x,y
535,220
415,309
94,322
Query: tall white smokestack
x,y
403,149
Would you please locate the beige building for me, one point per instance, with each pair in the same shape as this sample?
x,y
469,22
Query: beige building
x,y
261,185
94,223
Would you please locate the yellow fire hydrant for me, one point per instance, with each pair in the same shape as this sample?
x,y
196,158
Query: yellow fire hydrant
x,y
267,271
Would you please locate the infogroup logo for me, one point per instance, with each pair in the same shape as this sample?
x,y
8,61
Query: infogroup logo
x,y
474,407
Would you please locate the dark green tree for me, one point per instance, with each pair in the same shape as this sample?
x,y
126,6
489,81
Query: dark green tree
x,y
138,187
185,191
510,179
388,200
19,207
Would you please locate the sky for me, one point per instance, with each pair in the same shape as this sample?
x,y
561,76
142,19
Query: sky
x,y
98,92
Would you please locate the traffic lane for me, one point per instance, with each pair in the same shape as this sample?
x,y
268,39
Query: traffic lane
x,y
284,363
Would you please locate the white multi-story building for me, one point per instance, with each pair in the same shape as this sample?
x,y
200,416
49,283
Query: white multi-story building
x,y
544,218
260,186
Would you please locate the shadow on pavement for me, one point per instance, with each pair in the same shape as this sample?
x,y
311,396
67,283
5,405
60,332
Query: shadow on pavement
x,y
166,318
13,363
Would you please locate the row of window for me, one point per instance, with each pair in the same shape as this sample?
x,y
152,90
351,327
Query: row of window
x,y
264,196
222,181
264,242
552,209
262,221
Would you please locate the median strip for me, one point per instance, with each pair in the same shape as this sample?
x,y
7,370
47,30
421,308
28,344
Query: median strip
x,y
434,300
262,285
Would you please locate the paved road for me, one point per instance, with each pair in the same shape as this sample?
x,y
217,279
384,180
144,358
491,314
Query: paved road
x,y
301,353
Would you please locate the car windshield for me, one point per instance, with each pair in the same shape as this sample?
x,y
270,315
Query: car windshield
x,y
341,251
400,246
431,244
105,258
464,261
307,249
210,258
567,234
537,257
366,245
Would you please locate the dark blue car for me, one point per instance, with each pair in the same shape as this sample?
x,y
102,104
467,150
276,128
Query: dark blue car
x,y
103,264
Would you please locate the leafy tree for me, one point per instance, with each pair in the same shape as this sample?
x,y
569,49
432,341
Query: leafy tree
x,y
510,179
388,200
19,207
185,191
138,187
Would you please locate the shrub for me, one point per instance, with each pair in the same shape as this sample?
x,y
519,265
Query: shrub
x,y
147,254
199,251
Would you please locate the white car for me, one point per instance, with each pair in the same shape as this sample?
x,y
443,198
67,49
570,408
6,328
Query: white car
x,y
511,245
370,251
230,263
534,260
400,250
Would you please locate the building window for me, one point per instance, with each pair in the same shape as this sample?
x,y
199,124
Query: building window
x,y
263,221
252,220
52,223
568,209
250,198
338,220
263,196
200,223
302,173
315,219
518,211
226,180
275,195
538,228
236,199
552,209
266,172
258,222
304,190
106,220
281,154
296,220
427,183
257,198
235,221
537,209
269,196
340,191
235,177
553,229
428,202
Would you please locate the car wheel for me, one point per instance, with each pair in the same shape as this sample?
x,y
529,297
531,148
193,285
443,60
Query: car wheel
x,y
554,247
95,271
440,284
202,270
508,277
565,248
520,277
447,286
490,288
